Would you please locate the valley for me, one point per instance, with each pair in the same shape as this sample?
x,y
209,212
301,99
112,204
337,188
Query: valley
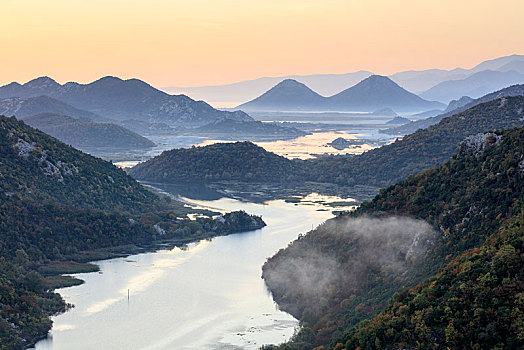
x,y
311,222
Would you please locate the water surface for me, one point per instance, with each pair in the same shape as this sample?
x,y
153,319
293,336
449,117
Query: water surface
x,y
208,296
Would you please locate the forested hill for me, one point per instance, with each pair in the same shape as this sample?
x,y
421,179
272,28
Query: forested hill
x,y
37,166
57,203
466,200
425,148
474,302
242,161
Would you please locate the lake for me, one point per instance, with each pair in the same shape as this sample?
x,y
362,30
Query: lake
x,y
208,295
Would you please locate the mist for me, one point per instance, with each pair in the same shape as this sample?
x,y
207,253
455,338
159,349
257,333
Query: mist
x,y
345,254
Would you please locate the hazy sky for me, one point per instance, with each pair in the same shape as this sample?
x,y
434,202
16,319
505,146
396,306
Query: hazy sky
x,y
201,42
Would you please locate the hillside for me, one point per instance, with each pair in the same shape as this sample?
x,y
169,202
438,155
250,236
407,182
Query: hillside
x,y
394,162
241,161
57,203
378,92
86,135
288,95
516,90
475,301
465,200
25,107
118,99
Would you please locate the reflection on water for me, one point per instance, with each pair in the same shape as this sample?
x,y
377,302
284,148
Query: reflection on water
x,y
303,147
309,146
207,296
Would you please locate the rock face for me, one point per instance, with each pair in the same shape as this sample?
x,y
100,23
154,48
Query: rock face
x,y
372,93
119,99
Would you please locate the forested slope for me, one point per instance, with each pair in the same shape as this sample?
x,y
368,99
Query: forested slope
x,y
56,203
465,200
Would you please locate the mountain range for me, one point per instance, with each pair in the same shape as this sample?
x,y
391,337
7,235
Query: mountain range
x,y
461,104
372,93
117,99
475,86
416,81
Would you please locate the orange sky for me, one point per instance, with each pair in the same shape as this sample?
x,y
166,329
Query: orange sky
x,y
203,42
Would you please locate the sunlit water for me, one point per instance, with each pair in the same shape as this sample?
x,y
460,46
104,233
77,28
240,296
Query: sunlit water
x,y
208,296
304,147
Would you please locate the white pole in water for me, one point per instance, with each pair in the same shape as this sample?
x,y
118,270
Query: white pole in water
x,y
127,294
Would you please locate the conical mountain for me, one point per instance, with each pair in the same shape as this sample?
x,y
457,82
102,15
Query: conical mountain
x,y
289,94
376,92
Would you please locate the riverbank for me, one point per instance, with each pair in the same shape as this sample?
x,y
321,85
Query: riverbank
x,y
187,297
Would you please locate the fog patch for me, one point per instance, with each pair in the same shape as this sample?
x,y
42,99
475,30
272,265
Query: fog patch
x,y
344,254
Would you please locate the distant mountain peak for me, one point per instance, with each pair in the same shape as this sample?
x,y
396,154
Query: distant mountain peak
x,y
288,83
378,79
108,79
40,82
288,94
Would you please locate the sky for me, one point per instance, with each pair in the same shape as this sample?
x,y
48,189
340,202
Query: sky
x,y
209,42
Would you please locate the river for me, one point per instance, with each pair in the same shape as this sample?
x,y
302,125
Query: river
x,y
208,295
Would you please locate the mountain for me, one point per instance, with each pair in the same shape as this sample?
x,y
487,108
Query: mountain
x,y
391,163
235,129
118,99
241,161
497,63
516,90
398,121
454,104
22,107
476,85
372,93
517,66
86,135
385,112
233,94
378,92
421,80
353,267
288,95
